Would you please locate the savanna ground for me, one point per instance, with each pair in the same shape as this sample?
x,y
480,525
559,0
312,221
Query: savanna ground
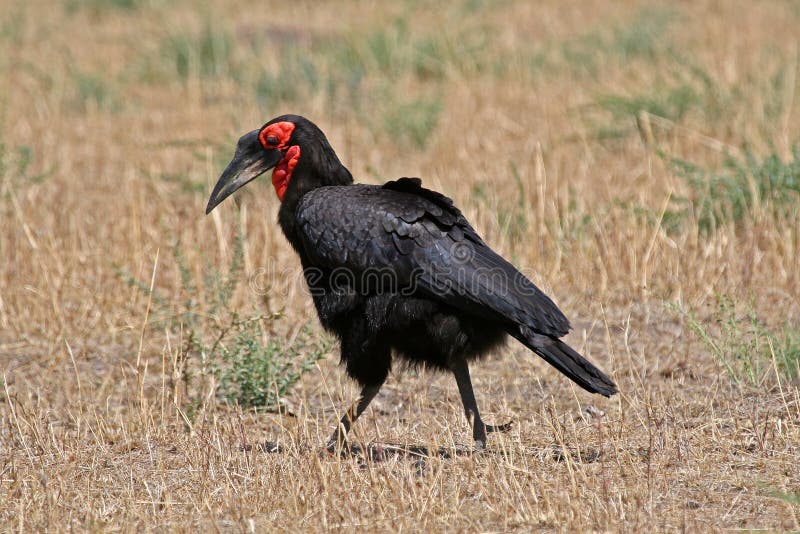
x,y
638,160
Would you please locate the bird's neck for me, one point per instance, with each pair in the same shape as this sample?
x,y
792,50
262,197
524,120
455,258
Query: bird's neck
x,y
311,172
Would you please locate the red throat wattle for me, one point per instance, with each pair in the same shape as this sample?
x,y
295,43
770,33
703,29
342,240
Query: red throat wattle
x,y
283,171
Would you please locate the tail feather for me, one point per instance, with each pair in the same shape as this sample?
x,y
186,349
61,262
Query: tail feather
x,y
568,361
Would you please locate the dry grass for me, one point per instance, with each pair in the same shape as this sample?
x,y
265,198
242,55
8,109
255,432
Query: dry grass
x,y
117,117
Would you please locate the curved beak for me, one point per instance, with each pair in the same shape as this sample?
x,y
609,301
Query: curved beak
x,y
249,162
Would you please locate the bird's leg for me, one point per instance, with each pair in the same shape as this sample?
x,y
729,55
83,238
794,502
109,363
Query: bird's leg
x,y
461,372
339,437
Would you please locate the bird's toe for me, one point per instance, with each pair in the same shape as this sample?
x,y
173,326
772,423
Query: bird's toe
x,y
500,428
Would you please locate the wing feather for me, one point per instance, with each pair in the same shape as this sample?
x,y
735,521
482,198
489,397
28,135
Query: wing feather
x,y
423,239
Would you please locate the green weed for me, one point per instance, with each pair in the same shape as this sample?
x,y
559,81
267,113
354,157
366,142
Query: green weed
x,y
514,220
641,37
13,23
792,498
98,7
615,116
297,77
742,185
15,165
255,373
235,354
92,91
205,55
365,73
185,182
747,349
413,122
672,104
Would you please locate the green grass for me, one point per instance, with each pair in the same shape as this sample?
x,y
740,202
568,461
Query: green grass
x,y
92,91
514,220
413,122
672,103
185,182
622,111
748,350
255,371
13,23
643,37
207,54
296,78
15,165
233,353
98,7
792,498
683,89
393,50
741,186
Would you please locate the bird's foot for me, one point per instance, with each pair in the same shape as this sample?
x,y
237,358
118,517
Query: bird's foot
x,y
500,428
339,445
480,445
336,445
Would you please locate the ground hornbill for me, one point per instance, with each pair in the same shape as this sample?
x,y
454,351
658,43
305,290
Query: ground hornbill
x,y
398,269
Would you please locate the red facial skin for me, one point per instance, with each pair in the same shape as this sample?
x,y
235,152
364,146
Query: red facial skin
x,y
283,171
281,132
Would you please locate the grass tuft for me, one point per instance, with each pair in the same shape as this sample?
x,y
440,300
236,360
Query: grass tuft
x,y
643,37
748,350
742,185
205,55
297,77
413,122
672,104
92,91
98,7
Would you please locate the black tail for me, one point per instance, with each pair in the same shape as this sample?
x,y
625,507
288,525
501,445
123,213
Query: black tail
x,y
565,359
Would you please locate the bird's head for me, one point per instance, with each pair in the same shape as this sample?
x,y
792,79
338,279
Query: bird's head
x,y
292,146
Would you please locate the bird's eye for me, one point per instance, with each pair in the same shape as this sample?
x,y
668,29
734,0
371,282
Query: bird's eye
x,y
272,140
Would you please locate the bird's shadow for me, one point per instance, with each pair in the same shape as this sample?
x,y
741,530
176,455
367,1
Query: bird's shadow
x,y
377,452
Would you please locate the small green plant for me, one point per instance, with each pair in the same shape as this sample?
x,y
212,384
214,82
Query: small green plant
x,y
672,103
98,7
296,78
91,90
255,373
413,122
792,498
206,55
184,181
614,116
236,354
742,185
641,37
15,165
365,71
13,23
742,343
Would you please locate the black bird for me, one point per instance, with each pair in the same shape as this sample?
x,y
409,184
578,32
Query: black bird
x,y
397,269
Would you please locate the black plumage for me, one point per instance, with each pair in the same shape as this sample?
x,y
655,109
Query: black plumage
x,y
396,270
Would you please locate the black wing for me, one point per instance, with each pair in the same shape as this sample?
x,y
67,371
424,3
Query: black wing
x,y
423,240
